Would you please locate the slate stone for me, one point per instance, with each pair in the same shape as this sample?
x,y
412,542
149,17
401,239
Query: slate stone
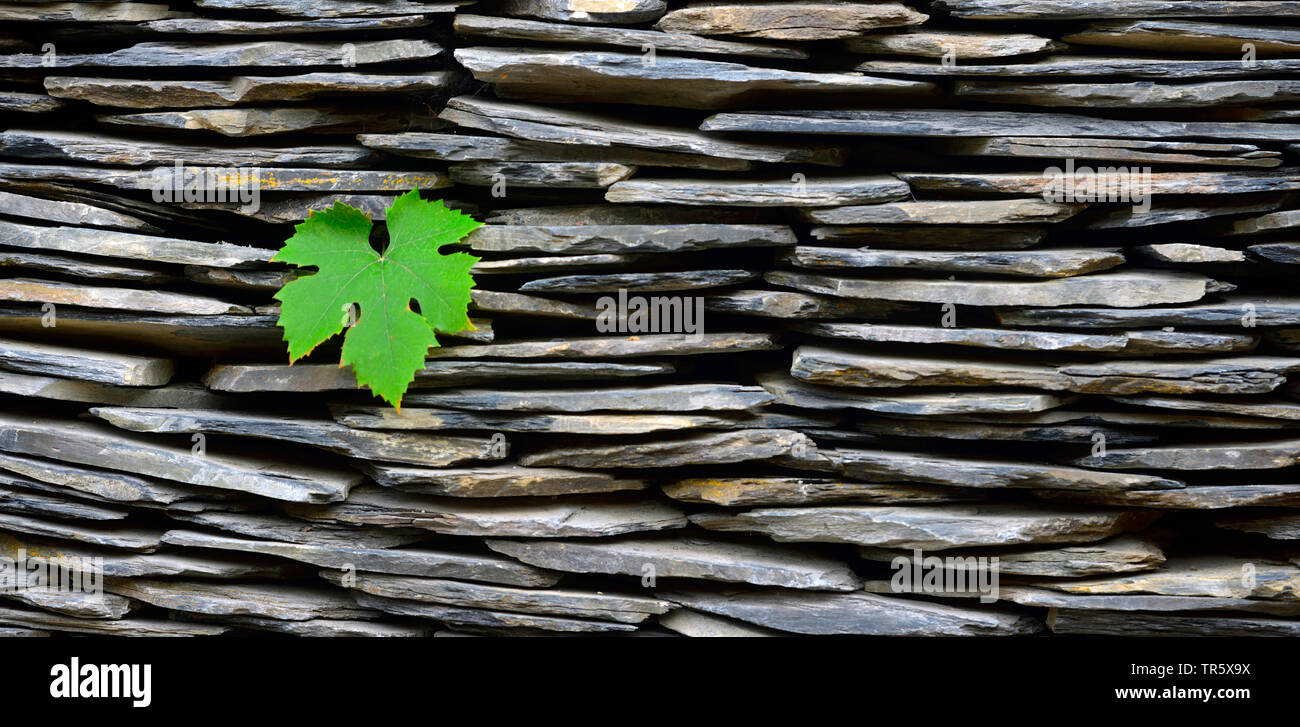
x,y
789,21
1209,497
923,237
1156,183
102,149
564,175
500,481
422,449
87,12
43,620
938,527
332,9
400,561
100,447
1233,311
32,290
688,622
109,536
1181,252
854,613
244,122
587,11
1280,526
702,449
694,83
142,93
537,123
788,305
1142,94
641,282
1187,36
475,618
824,192
757,491
654,344
1124,289
1058,10
78,363
668,398
465,148
287,603
327,377
795,392
963,44
259,54
593,239
950,123
571,517
108,243
484,26
1073,66
1125,623
1048,263
1134,150
1264,455
623,608
216,26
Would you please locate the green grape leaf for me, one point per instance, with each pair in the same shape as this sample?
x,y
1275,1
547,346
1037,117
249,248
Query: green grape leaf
x,y
388,341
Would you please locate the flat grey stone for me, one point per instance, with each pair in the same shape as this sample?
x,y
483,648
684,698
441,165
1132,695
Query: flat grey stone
x,y
930,527
216,26
640,282
789,305
260,54
284,602
69,212
101,149
109,536
411,448
688,622
280,528
695,83
332,8
702,558
1201,497
484,26
499,481
587,11
922,237
817,192
654,344
88,12
100,447
1074,66
934,43
1276,526
1232,312
464,148
948,212
328,377
493,621
1133,150
759,491
401,561
1275,454
1139,94
591,239
701,449
131,246
1123,289
666,398
794,392
1082,9
571,517
562,175
802,612
801,21
139,627
539,123
600,605
1127,623
32,290
1048,263
1122,554
1187,36
1154,184
105,367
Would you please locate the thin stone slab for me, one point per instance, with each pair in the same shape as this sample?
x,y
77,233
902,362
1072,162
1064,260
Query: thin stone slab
x,y
1239,375
60,265
244,122
1181,252
930,527
19,501
963,44
86,12
703,449
584,517
641,282
1286,253
1126,553
1048,263
1086,9
493,621
328,377
100,447
31,103
794,392
102,484
801,21
929,237
143,93
1119,184
280,528
539,123
1275,454
332,8
404,561
950,123
817,192
1142,94
1284,220
499,481
1191,498
284,602
412,448
131,246
787,305
188,335
1124,289
654,344
120,564
648,398
702,558
601,605
1127,623
758,491
854,613
484,26
1074,66
317,628
1205,576
259,54
138,627
465,148
100,149
108,536
1233,312
948,212
279,179
1140,343
74,603
694,83
886,466
215,26
68,212
1187,36
105,367
595,239
591,424
1132,150
32,290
